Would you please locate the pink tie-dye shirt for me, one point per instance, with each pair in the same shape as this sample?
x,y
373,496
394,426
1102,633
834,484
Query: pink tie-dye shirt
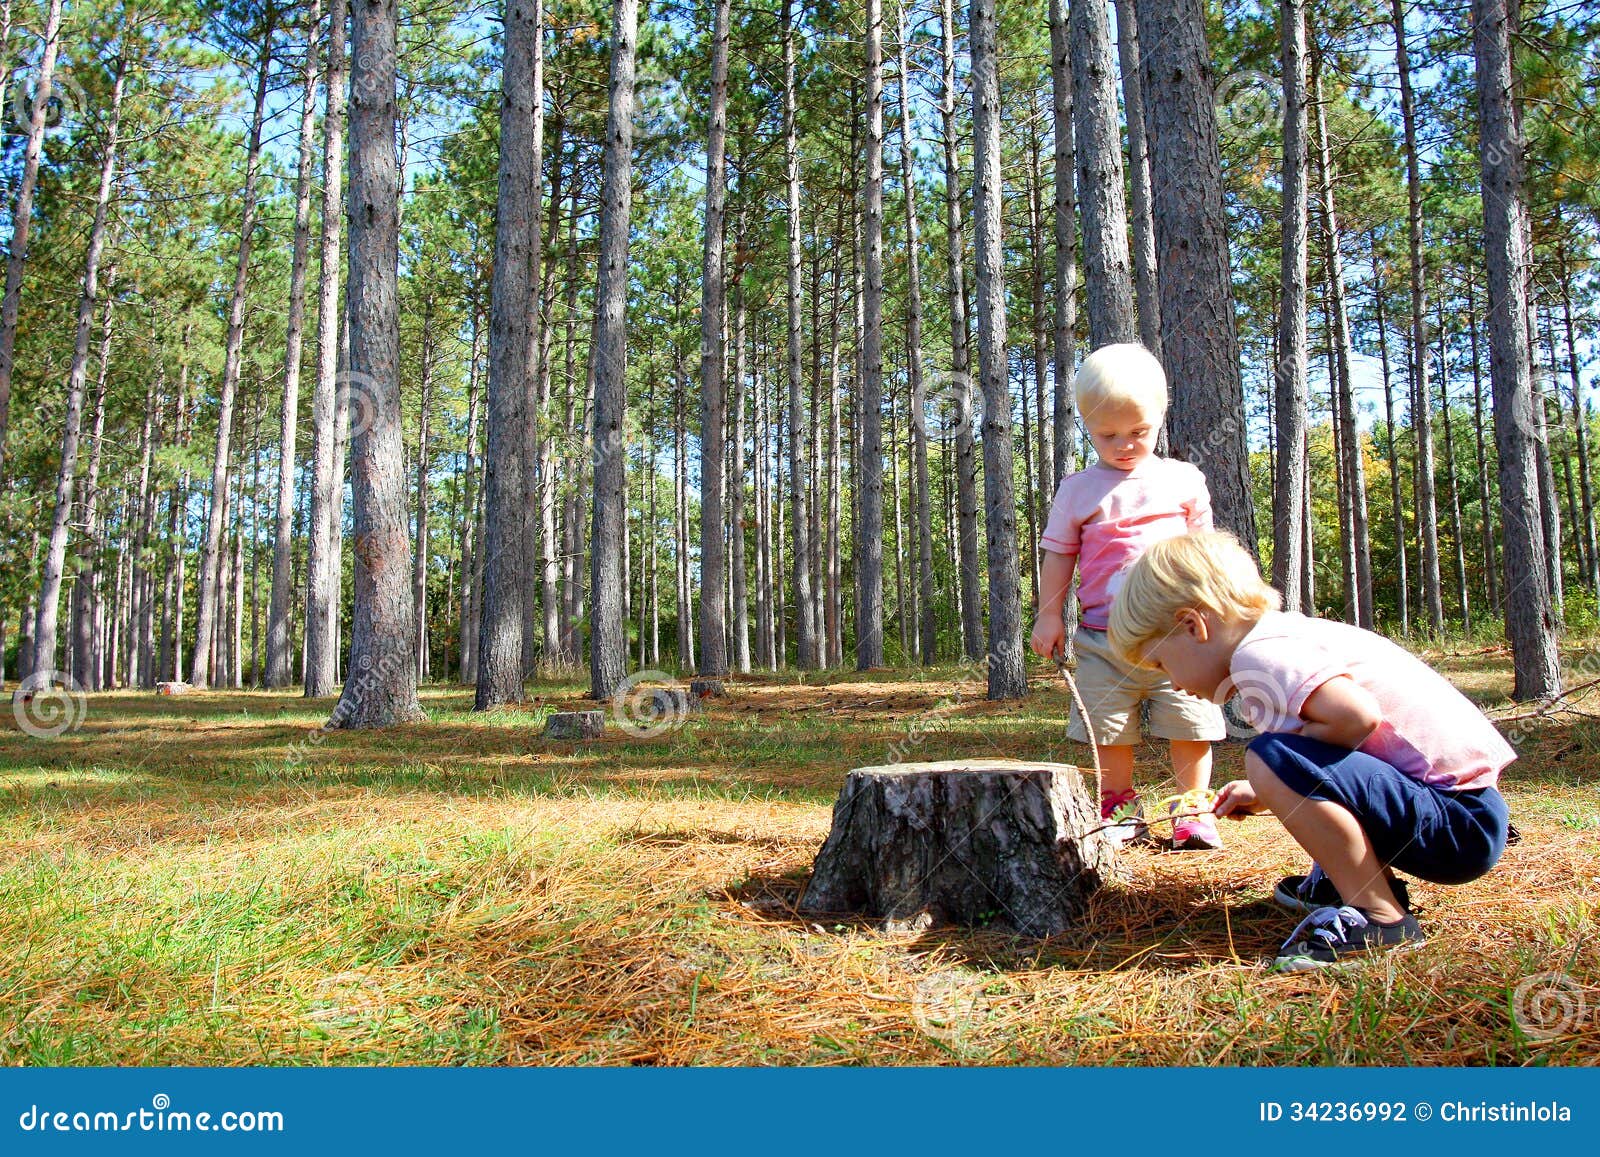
x,y
1109,517
1430,730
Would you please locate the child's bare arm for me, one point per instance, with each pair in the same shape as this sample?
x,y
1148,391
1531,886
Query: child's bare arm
x,y
1055,576
1340,712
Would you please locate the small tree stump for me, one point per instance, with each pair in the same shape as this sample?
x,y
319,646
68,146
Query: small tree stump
x,y
669,702
575,725
172,688
970,842
706,688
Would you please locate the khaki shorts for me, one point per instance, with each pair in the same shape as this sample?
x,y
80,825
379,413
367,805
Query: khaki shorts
x,y
1112,691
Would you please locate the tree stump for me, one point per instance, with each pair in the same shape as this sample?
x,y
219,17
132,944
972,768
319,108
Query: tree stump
x,y
968,842
669,702
707,688
575,725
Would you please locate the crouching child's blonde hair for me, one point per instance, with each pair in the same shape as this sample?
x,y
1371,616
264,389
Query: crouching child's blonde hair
x,y
1204,572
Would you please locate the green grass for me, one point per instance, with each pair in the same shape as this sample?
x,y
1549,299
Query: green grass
x,y
213,879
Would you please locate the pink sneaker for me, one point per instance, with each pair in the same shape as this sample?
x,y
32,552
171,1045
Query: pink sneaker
x,y
1124,811
1194,828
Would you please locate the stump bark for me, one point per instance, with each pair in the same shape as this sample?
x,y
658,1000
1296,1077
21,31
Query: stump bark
x,y
970,842
575,725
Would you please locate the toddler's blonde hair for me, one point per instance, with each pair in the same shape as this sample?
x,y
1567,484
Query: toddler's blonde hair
x,y
1122,374
1209,571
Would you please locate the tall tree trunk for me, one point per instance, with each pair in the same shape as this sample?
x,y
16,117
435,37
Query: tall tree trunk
x,y
279,672
1450,475
1353,464
1008,678
1199,339
835,605
22,212
1427,506
608,656
84,667
1107,272
1144,237
929,624
869,487
736,510
713,389
1491,567
419,561
42,669
972,644
471,550
536,384
1580,419
209,593
1289,379
138,671
1530,622
807,651
1396,501
1065,220
1039,495
327,466
382,689
512,306
1549,504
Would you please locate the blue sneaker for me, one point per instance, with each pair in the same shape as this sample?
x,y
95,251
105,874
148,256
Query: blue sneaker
x,y
1332,936
1314,890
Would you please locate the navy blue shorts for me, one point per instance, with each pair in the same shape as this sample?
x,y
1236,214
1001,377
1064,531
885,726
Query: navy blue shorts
x,y
1446,837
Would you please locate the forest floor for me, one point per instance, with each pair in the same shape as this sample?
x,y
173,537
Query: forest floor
x,y
212,879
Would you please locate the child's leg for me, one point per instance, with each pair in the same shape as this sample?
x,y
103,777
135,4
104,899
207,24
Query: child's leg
x,y
1334,839
1191,763
1116,768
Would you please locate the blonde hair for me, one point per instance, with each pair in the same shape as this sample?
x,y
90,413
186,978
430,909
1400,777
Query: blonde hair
x,y
1205,572
1123,374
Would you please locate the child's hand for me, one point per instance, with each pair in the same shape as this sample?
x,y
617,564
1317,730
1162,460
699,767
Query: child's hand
x,y
1236,800
1049,636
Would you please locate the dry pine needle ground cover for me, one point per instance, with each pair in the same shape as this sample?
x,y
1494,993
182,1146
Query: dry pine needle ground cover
x,y
211,879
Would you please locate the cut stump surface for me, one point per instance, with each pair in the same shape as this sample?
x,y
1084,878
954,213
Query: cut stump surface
x,y
970,842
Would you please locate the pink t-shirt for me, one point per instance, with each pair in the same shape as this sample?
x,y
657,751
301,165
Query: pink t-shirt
x,y
1109,517
1430,730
